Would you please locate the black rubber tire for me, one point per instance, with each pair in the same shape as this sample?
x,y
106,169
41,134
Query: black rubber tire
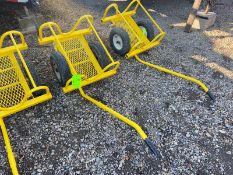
x,y
125,39
100,54
59,65
33,72
35,77
149,28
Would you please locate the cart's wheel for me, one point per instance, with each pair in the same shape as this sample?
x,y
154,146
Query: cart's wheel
x,y
60,68
100,54
33,72
119,41
147,28
35,77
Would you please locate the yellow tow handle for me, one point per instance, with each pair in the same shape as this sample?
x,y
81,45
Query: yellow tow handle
x,y
129,122
10,153
163,69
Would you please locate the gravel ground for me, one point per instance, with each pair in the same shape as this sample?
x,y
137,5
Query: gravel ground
x,y
69,135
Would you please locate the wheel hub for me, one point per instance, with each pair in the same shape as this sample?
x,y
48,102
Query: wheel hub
x,y
55,68
118,42
143,29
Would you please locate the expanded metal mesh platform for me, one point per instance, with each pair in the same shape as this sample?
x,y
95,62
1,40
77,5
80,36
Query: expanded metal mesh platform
x,y
12,88
17,86
78,56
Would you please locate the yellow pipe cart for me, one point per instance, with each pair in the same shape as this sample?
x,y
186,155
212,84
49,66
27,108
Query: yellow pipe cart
x,y
130,38
77,63
19,85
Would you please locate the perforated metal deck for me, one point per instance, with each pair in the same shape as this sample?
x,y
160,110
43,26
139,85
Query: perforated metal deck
x,y
12,92
79,57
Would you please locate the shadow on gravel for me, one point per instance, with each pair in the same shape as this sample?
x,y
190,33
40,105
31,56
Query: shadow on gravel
x,y
221,39
8,16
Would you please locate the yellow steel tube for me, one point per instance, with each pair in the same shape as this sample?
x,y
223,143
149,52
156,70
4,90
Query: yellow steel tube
x,y
115,17
116,114
8,34
101,42
12,49
43,26
22,60
57,41
115,6
131,4
90,19
155,23
73,71
126,21
116,65
158,38
87,17
10,154
143,49
202,85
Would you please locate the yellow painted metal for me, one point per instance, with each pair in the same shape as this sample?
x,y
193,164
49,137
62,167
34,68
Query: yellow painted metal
x,y
75,49
10,153
202,85
116,114
15,92
139,42
124,20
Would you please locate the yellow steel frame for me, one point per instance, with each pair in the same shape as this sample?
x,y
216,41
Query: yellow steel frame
x,y
109,70
61,37
16,95
139,42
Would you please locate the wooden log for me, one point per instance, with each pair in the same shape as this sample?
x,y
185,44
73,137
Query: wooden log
x,y
207,8
192,15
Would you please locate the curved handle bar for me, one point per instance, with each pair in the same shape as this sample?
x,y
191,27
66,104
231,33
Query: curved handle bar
x,y
11,33
131,4
129,122
114,64
38,88
116,114
115,6
49,25
89,19
136,45
159,37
